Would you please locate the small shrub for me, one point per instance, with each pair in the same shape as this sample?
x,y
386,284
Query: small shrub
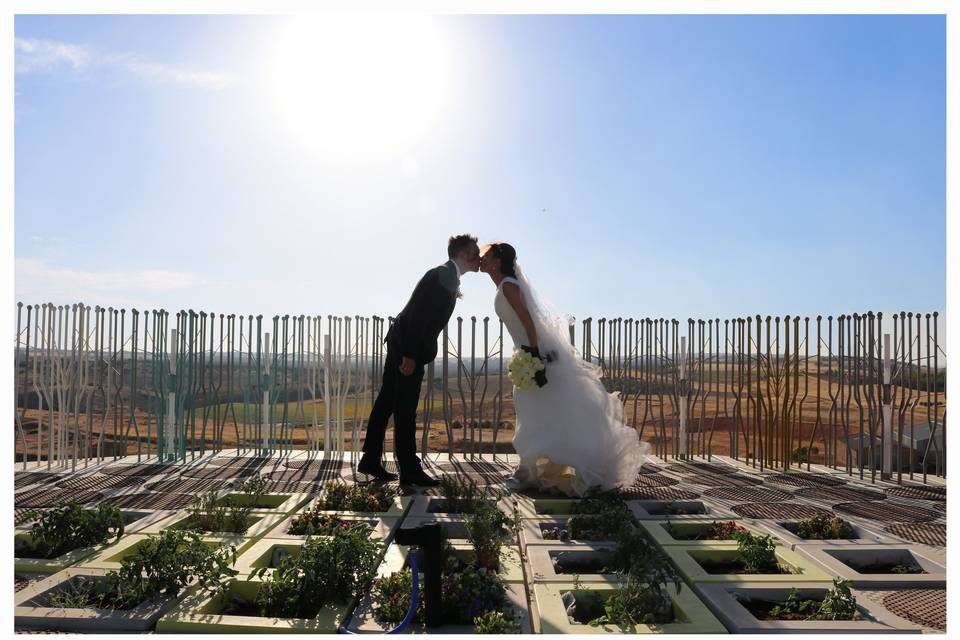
x,y
338,568
496,622
460,495
793,605
315,523
802,454
822,527
231,514
68,527
758,553
471,593
338,496
484,528
838,604
392,595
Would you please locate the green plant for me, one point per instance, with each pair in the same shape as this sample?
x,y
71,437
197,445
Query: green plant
x,y
470,593
460,495
339,496
68,527
793,605
392,595
714,531
636,602
756,552
80,593
838,604
822,527
338,568
230,514
496,622
169,561
313,522
484,528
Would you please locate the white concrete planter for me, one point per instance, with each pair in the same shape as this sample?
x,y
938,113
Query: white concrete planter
x,y
724,601
383,528
786,531
202,613
692,616
435,507
269,502
846,562
32,611
511,562
686,560
397,509
52,565
679,510
454,529
364,619
532,530
545,508
260,525
543,559
663,531
112,557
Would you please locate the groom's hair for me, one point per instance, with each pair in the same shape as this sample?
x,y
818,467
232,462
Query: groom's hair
x,y
456,244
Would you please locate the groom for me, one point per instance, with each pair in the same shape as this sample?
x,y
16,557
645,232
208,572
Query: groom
x,y
411,344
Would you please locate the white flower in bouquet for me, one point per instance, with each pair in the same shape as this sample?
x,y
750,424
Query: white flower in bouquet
x,y
522,369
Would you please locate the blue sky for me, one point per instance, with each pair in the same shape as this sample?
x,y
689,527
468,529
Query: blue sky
x,y
690,166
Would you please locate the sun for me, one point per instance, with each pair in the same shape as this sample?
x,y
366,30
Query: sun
x,y
357,85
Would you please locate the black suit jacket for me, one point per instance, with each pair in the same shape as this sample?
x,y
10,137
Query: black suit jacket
x,y
415,330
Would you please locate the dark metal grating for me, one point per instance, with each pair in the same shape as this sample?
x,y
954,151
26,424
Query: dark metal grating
x,y
186,485
722,480
931,533
23,479
52,497
778,510
657,493
225,472
886,511
700,467
138,469
654,480
98,481
804,479
919,492
305,475
839,494
649,467
927,607
315,464
151,500
747,494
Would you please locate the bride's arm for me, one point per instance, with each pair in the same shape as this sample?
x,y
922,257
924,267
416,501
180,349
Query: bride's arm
x,y
515,298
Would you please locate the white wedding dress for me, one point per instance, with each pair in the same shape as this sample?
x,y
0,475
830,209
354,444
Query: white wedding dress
x,y
570,434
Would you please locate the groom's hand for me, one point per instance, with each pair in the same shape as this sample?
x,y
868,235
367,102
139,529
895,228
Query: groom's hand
x,y
407,366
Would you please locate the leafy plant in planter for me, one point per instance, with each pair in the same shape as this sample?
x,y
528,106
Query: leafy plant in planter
x,y
461,495
757,553
162,564
68,527
838,604
338,496
315,523
636,602
714,531
334,569
485,529
822,527
211,513
496,622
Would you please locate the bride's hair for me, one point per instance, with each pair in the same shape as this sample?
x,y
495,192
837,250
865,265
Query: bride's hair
x,y
508,258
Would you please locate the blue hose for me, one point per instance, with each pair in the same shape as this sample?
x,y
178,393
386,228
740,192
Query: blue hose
x,y
414,598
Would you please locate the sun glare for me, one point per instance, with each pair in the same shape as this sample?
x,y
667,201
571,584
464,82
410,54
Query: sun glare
x,y
356,85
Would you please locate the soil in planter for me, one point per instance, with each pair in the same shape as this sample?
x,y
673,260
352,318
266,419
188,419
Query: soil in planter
x,y
674,509
888,567
761,610
794,528
589,606
564,563
439,505
241,607
704,532
203,526
735,566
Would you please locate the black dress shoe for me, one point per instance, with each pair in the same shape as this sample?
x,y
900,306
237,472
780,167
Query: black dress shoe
x,y
376,470
419,478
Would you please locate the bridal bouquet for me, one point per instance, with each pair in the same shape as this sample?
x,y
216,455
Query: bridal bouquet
x,y
523,368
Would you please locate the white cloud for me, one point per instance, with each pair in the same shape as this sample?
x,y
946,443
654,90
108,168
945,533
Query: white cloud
x,y
37,55
38,282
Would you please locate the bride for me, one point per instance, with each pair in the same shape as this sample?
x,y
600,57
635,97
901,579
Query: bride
x,y
570,432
